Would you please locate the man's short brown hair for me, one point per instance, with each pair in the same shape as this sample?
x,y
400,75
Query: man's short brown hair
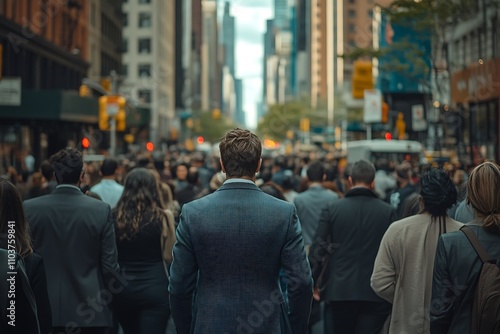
x,y
240,152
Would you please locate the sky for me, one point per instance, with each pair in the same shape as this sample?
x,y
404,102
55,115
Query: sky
x,y
250,17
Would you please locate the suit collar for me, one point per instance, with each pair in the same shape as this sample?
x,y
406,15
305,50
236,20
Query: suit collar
x,y
67,189
239,185
361,192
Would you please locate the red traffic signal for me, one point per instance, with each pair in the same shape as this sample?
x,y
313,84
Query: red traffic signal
x,y
200,140
388,136
85,142
150,146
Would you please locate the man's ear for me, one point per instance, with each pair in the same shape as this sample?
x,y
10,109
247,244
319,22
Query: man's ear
x,y
258,166
222,166
350,181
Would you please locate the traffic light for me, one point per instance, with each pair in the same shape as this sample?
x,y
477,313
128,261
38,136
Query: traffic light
x,y
118,103
304,125
216,113
84,91
200,140
120,120
150,146
103,114
388,136
385,112
106,84
85,142
362,78
401,126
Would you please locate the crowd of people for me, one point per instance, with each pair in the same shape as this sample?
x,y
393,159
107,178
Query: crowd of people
x,y
244,243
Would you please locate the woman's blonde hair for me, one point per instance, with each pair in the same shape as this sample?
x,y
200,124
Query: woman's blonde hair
x,y
483,193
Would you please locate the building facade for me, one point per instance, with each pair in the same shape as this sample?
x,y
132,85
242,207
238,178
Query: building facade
x,y
474,65
149,62
44,57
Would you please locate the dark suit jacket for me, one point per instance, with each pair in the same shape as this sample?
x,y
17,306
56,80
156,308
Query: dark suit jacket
x,y
356,224
230,248
456,269
75,236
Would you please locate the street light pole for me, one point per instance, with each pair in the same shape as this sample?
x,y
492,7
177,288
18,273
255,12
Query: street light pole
x,y
112,122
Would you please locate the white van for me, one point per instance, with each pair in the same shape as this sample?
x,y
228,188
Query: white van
x,y
392,150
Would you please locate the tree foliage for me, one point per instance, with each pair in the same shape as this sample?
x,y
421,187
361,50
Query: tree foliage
x,y
208,127
283,117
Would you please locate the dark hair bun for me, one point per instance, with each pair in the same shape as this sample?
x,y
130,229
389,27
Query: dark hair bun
x,y
438,191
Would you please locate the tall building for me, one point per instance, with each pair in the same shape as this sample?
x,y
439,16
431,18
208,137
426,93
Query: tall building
x,y
269,42
105,38
318,53
473,60
149,61
281,14
210,65
228,38
240,117
44,58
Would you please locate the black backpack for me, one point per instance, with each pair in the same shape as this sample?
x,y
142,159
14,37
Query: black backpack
x,y
486,302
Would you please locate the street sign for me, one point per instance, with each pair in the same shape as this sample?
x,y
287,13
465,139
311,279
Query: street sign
x,y
373,106
10,91
418,123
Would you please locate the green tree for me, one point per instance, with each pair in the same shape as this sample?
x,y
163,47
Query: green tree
x,y
210,128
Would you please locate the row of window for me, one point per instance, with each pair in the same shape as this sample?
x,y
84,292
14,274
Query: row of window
x,y
143,45
476,45
145,20
352,13
143,70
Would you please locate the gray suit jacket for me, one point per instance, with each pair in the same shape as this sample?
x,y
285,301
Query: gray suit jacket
x,y
230,248
309,205
74,234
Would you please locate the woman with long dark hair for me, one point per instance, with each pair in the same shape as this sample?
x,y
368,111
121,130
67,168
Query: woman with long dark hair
x,y
457,264
145,235
403,268
11,210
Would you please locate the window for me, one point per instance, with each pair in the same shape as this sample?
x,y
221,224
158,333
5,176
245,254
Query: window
x,y
124,19
370,13
124,47
144,45
92,14
124,69
352,28
352,1
144,20
145,96
352,13
144,1
495,45
144,70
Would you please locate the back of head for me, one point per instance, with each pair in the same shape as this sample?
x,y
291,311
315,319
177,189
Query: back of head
x,y
438,192
140,199
67,165
483,193
316,171
240,152
403,171
109,167
362,172
382,164
11,210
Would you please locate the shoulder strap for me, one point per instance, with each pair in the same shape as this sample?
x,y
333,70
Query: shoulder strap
x,y
476,244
